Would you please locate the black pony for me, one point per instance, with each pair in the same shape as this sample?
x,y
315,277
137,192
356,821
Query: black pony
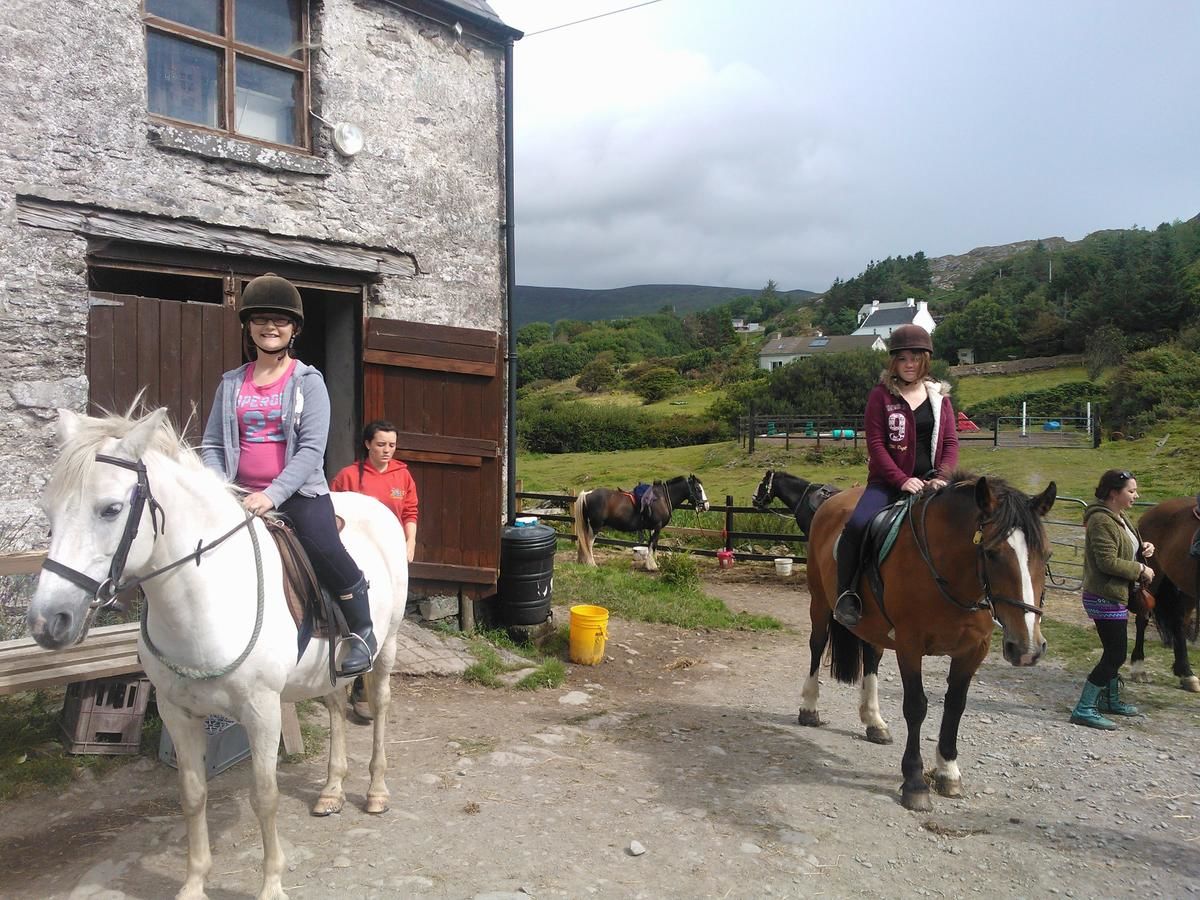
x,y
800,496
603,508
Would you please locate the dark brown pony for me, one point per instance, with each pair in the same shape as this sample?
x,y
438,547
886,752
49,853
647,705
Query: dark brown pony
x,y
603,508
1169,526
970,554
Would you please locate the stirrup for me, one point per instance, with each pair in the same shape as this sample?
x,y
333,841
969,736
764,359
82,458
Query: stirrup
x,y
847,609
347,671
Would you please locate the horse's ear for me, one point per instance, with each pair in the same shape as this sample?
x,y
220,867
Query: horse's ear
x,y
1042,502
135,443
68,426
985,499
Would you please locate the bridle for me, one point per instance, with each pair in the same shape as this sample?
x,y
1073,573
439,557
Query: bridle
x,y
989,599
104,593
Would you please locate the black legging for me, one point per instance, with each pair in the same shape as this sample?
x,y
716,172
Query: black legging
x,y
1114,638
316,526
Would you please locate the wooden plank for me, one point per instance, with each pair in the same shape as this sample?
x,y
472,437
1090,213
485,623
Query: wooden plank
x,y
147,352
432,363
96,221
293,741
382,332
105,635
428,571
27,562
122,665
194,395
100,354
124,357
445,443
170,358
444,459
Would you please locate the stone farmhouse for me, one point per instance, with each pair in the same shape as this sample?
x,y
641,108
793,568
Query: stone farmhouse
x,y
884,318
779,351
158,154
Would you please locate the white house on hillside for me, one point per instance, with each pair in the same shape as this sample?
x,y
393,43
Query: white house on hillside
x,y
779,351
884,318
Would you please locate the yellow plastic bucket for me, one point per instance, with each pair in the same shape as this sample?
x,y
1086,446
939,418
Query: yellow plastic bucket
x,y
589,631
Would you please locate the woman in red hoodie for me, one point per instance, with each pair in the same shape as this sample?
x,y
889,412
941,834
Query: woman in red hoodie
x,y
388,480
911,444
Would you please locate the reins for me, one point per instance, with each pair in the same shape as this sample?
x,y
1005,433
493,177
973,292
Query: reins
x,y
989,600
104,593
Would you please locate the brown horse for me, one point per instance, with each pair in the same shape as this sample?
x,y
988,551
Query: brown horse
x,y
602,508
1169,526
970,554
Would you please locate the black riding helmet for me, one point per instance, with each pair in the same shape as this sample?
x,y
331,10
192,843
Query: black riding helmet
x,y
270,293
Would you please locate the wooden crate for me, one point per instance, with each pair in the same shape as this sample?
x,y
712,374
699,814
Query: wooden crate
x,y
105,715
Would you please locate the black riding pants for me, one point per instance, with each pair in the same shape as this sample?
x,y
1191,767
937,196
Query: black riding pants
x,y
316,526
1114,638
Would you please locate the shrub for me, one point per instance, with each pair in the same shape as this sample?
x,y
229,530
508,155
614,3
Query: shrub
x,y
1058,400
678,569
656,384
1157,383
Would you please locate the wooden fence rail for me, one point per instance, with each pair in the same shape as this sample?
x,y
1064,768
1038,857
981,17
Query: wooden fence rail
x,y
727,535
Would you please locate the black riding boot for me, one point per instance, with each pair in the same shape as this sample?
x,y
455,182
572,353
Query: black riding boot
x,y
360,644
848,609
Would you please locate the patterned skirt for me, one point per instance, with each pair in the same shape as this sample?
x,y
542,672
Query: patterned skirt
x,y
1102,608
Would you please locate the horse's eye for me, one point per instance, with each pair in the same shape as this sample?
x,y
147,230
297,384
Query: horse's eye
x,y
111,511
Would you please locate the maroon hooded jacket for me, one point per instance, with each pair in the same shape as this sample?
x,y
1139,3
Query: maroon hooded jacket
x,y
892,434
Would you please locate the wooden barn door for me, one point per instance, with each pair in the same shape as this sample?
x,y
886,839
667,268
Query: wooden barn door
x,y
443,388
175,351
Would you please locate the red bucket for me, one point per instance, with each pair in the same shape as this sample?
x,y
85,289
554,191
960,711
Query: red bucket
x,y
725,559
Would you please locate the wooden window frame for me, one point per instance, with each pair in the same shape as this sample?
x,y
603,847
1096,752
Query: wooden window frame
x,y
231,49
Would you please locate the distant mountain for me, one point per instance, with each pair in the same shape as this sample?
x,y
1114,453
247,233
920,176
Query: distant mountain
x,y
549,304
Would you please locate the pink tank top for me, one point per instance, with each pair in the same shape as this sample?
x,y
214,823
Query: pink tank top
x,y
262,443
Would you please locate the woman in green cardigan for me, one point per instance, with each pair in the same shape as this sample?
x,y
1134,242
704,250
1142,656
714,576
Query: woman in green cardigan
x,y
1110,569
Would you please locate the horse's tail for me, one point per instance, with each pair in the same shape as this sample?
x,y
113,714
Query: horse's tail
x,y
583,532
846,653
1170,611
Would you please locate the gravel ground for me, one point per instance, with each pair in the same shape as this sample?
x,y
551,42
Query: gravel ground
x,y
683,745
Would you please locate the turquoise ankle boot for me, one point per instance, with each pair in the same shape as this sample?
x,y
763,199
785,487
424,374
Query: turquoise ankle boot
x,y
1085,712
1111,702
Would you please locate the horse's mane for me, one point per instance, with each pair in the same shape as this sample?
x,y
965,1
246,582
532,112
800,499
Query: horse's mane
x,y
1012,510
78,458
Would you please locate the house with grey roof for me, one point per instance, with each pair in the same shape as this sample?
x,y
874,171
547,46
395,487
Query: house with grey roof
x,y
779,351
884,318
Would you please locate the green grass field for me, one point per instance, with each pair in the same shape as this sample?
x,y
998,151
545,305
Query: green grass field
x,y
975,389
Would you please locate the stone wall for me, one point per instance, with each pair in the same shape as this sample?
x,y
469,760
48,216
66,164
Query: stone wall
x,y
428,184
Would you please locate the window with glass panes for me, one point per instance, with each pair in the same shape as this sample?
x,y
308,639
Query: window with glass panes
x,y
235,66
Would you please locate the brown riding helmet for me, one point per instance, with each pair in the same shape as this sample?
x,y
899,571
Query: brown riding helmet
x,y
910,337
270,293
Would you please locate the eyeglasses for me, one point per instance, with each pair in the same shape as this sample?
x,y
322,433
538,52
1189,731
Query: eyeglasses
x,y
277,321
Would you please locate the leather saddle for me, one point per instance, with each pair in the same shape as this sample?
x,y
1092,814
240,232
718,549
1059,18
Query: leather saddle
x,y
810,501
878,539
312,606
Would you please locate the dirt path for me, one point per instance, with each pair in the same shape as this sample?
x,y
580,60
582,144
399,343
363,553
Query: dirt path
x,y
688,744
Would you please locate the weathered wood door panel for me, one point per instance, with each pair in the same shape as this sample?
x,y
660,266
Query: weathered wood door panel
x,y
442,386
175,351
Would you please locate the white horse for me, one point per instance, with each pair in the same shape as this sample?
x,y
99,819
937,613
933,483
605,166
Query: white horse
x,y
215,638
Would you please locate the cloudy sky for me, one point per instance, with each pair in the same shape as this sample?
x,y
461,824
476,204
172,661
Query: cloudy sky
x,y
728,142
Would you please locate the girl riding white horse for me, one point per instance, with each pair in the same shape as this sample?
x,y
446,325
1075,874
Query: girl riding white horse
x,y
129,504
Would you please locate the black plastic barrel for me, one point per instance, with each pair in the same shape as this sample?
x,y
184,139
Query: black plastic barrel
x,y
526,574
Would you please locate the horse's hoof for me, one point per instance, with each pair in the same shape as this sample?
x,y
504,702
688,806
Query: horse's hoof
x,y
191,893
1191,683
916,801
879,735
327,806
377,803
948,787
1141,676
809,717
